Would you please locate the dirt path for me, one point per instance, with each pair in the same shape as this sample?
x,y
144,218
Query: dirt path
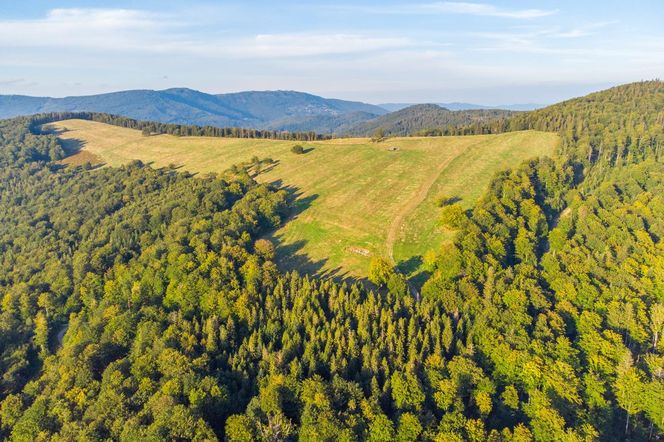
x,y
412,204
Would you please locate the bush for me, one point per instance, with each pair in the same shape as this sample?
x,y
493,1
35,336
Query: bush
x,y
297,149
264,248
453,216
380,271
378,135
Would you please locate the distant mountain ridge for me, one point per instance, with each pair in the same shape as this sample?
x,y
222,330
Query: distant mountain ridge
x,y
413,119
275,110
456,106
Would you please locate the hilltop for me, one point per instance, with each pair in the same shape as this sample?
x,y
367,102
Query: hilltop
x,y
414,119
457,106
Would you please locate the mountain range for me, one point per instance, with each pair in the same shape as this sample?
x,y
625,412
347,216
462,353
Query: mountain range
x,y
260,110
457,106
274,110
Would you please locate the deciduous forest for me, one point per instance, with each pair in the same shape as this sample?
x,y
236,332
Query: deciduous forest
x,y
144,304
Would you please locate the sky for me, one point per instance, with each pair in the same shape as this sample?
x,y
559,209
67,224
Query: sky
x,y
493,52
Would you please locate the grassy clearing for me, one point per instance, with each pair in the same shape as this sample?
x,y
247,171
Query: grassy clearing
x,y
351,192
465,178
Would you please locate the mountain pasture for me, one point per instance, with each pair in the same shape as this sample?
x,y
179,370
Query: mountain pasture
x,y
354,198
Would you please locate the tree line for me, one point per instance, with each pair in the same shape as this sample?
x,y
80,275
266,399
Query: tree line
x,y
184,130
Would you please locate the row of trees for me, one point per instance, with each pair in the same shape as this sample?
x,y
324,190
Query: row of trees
x,y
155,128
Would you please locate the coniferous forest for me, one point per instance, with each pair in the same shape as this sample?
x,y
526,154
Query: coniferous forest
x,y
143,304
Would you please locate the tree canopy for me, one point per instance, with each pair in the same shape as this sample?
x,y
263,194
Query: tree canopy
x,y
145,304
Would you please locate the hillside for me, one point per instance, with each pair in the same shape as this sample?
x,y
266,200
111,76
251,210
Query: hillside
x,y
185,106
145,304
324,124
414,119
351,191
275,105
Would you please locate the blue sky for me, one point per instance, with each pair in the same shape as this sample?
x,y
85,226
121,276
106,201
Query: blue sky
x,y
494,52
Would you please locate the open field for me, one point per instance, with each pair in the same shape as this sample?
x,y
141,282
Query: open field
x,y
355,198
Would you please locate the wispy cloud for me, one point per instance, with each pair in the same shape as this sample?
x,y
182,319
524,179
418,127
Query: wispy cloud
x,y
462,8
332,45
127,30
11,81
308,44
484,9
91,28
641,51
584,30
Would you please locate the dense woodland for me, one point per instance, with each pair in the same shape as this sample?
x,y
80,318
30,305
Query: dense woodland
x,y
154,128
142,304
424,119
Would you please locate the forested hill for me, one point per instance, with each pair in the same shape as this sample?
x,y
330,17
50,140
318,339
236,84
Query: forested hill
x,y
140,304
616,126
415,119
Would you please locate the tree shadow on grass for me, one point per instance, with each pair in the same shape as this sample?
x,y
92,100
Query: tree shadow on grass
x,y
76,156
71,146
418,279
290,255
265,166
448,201
412,267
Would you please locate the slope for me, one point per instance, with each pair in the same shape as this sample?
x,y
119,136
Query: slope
x,y
350,191
420,117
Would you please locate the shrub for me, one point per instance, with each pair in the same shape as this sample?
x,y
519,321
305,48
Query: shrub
x,y
297,149
453,216
378,135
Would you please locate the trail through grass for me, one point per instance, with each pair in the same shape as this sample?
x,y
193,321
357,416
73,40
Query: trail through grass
x,y
355,198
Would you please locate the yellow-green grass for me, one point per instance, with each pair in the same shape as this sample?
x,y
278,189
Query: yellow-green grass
x,y
465,178
356,199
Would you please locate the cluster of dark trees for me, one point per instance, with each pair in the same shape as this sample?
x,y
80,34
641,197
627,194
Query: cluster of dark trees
x,y
184,130
141,304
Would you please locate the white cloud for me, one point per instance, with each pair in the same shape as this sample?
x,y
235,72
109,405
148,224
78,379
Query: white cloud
x,y
110,29
106,49
484,9
308,44
127,30
583,30
464,8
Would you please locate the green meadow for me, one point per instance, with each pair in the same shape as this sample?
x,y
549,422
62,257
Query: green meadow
x,y
354,198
